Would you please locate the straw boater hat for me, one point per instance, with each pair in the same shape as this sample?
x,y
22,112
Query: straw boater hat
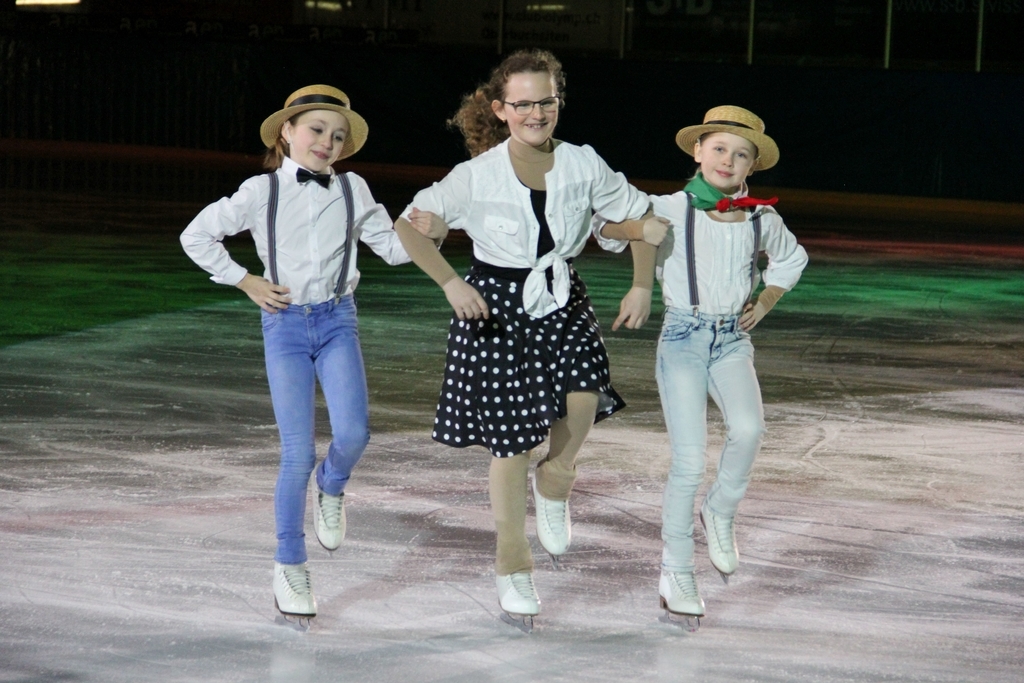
x,y
738,121
317,97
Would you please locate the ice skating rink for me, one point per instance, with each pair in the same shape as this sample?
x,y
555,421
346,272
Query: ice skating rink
x,y
882,538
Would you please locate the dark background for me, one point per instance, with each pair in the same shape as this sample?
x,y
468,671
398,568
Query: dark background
x,y
930,128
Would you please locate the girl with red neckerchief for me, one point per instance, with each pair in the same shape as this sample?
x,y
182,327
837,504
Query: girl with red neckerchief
x,y
707,267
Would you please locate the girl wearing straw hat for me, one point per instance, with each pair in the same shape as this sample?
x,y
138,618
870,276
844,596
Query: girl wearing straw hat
x,y
305,219
707,267
526,362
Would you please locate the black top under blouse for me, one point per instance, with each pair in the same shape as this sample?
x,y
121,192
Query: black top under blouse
x,y
545,242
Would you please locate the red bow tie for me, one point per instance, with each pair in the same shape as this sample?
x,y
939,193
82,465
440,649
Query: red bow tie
x,y
728,203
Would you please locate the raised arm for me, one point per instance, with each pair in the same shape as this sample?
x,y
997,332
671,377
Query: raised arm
x,y
648,228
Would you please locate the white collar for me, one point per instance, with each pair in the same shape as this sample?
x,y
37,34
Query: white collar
x,y
290,166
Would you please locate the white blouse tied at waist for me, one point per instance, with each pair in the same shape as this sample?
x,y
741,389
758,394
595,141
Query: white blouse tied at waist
x,y
722,255
310,227
484,197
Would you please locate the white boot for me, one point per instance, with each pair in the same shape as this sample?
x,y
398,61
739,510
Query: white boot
x,y
517,595
678,591
329,519
554,527
293,591
721,540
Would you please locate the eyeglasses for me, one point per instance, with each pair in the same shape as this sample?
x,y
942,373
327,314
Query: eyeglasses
x,y
524,107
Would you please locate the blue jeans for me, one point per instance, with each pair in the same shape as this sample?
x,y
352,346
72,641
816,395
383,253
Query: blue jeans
x,y
303,344
697,356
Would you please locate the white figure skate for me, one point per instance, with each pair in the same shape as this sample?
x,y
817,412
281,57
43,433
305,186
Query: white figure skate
x,y
293,595
518,599
722,550
679,598
554,526
329,519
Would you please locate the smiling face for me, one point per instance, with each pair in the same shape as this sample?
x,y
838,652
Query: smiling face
x,y
536,127
315,138
725,160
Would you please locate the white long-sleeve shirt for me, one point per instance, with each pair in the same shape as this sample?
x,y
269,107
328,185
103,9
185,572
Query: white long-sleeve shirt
x,y
722,255
310,228
484,197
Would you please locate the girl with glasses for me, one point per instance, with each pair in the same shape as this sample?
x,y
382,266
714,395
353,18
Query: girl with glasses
x,y
526,362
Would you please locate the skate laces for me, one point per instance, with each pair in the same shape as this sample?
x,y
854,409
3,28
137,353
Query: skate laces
x,y
554,514
330,509
722,527
522,582
297,578
683,583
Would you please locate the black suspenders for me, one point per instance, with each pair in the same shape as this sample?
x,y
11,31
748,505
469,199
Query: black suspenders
x,y
350,213
271,225
757,250
691,261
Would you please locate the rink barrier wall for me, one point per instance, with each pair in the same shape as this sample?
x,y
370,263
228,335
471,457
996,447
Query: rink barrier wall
x,y
867,131
203,176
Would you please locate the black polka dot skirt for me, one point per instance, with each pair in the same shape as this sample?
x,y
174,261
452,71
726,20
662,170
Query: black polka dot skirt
x,y
506,377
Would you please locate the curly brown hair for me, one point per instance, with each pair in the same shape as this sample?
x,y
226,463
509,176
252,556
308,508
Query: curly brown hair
x,y
475,119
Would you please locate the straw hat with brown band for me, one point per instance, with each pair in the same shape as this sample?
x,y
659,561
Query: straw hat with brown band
x,y
738,121
317,97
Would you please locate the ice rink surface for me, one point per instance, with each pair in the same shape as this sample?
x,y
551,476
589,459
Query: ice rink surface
x,y
882,538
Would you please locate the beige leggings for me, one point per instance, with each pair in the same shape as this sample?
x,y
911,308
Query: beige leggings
x,y
555,476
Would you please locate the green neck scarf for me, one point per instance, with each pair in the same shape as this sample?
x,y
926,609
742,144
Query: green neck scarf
x,y
705,196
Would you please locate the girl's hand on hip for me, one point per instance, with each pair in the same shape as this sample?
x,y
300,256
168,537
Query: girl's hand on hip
x,y
268,296
428,224
655,230
635,309
754,312
751,316
465,300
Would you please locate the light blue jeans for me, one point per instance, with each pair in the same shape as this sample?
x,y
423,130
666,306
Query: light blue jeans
x,y
697,356
303,344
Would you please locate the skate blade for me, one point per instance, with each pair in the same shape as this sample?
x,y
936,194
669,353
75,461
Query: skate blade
x,y
556,563
687,622
300,624
523,622
725,577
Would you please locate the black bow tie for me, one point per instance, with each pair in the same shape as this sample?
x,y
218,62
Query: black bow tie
x,y
322,179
